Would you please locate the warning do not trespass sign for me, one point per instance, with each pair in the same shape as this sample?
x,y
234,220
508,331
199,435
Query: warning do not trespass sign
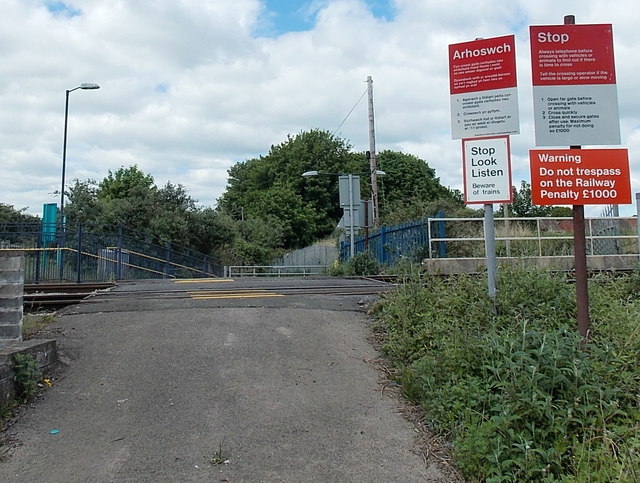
x,y
580,176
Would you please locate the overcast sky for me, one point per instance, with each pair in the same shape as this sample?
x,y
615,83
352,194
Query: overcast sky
x,y
190,87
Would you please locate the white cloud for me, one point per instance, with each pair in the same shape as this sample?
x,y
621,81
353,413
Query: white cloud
x,y
189,88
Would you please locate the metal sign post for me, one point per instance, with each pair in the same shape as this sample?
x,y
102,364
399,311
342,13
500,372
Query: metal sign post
x,y
484,103
487,180
575,103
349,191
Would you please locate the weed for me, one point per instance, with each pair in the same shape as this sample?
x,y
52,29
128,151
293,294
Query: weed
x,y
361,264
518,397
219,456
34,323
27,376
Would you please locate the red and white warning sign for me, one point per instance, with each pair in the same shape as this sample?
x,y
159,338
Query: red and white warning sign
x,y
574,85
580,177
483,87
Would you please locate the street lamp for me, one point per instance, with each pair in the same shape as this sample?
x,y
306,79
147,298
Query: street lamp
x,y
84,86
350,179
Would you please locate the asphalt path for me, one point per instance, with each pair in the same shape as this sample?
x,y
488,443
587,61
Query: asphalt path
x,y
239,381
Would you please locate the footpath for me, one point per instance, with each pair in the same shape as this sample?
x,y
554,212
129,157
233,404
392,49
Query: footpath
x,y
158,385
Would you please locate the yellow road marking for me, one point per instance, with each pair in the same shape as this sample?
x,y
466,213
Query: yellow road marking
x,y
230,292
235,296
203,280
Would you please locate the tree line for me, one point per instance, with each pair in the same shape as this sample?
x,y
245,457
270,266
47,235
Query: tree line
x,y
267,207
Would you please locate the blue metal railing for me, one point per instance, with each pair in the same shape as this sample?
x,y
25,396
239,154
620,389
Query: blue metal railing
x,y
389,244
88,253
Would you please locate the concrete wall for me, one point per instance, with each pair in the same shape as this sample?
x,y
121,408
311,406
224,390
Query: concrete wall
x,y
11,290
43,350
322,255
477,265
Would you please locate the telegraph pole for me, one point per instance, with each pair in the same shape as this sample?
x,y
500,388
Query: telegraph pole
x,y
372,154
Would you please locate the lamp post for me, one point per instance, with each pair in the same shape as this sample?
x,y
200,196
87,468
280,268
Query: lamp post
x,y
351,179
84,86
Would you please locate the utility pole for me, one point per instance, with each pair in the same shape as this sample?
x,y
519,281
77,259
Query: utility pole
x,y
372,154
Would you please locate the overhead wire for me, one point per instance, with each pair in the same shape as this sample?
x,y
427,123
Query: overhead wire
x,y
347,116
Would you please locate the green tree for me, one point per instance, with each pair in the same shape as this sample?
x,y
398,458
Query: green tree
x,y
267,206
83,205
212,232
9,214
522,205
125,183
172,216
411,190
410,178
271,187
258,242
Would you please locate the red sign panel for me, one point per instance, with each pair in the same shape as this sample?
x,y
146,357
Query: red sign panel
x,y
572,55
483,85
575,98
482,65
580,177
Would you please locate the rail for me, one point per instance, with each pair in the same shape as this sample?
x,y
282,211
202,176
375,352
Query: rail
x,y
87,252
274,270
532,236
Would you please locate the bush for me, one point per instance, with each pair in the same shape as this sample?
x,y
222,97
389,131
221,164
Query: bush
x,y
514,390
363,264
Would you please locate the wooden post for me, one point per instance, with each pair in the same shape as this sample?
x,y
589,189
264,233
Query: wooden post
x,y
372,154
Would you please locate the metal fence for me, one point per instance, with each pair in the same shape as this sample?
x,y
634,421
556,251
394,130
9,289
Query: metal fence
x,y
441,237
88,253
608,224
275,270
315,255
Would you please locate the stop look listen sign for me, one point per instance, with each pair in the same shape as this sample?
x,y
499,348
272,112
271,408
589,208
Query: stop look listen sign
x,y
487,170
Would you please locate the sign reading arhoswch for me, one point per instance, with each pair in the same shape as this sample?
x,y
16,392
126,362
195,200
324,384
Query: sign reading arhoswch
x,y
483,87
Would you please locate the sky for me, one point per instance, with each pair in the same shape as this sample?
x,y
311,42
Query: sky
x,y
190,87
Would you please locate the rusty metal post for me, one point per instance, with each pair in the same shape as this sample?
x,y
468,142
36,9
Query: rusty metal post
x,y
580,253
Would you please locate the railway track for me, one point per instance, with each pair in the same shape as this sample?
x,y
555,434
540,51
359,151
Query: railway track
x,y
58,295
358,289
53,296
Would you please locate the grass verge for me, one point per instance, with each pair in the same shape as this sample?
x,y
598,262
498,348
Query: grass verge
x,y
511,388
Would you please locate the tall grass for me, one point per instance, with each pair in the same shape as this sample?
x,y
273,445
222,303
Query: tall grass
x,y
518,396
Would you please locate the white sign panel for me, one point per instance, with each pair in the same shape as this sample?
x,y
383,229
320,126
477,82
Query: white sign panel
x,y
576,115
575,97
487,170
483,88
485,113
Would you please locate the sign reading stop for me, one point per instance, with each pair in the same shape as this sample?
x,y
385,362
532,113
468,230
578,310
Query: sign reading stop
x,y
574,85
